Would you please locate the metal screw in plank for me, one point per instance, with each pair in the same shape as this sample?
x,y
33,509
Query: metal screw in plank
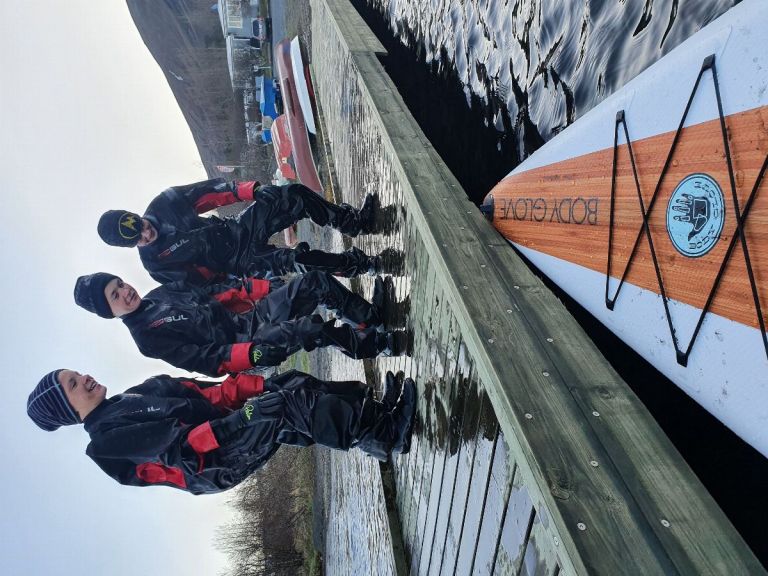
x,y
529,416
594,463
665,523
595,413
546,374
550,340
581,526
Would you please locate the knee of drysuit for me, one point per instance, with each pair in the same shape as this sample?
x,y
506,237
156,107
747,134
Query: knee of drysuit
x,y
335,423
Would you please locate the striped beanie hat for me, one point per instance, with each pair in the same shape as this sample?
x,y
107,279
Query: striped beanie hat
x,y
48,406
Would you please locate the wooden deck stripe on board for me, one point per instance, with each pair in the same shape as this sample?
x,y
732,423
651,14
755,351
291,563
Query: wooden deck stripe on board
x,y
563,210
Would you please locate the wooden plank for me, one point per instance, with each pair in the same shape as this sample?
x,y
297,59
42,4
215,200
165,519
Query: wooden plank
x,y
540,558
466,438
423,281
486,440
411,529
351,26
518,521
450,447
499,489
635,446
426,351
402,463
439,422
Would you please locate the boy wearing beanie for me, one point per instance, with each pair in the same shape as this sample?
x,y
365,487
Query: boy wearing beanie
x,y
205,437
177,244
233,327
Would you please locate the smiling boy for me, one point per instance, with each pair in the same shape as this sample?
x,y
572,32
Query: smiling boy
x,y
232,327
176,243
205,437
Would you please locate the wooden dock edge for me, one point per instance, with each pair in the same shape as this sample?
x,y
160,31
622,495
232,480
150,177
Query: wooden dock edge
x,y
618,496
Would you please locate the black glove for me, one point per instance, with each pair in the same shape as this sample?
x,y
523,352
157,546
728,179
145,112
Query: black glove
x,y
268,406
266,355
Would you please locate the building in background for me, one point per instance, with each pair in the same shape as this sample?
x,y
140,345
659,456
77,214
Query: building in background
x,y
246,32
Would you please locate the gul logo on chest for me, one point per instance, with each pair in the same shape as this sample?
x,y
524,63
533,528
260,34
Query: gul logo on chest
x,y
168,320
172,248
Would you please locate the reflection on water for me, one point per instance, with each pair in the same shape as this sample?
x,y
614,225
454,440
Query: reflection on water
x,y
524,69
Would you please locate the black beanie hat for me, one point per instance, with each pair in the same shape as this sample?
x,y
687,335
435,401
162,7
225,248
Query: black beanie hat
x,y
48,406
89,293
120,228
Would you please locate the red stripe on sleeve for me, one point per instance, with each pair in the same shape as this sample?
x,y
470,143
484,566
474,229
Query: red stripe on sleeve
x,y
235,300
154,473
212,394
202,439
245,190
232,392
213,200
239,358
237,389
259,288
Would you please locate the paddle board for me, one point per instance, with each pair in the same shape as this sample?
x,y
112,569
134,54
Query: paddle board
x,y
652,212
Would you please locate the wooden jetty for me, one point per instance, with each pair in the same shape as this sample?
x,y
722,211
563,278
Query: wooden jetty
x,y
532,456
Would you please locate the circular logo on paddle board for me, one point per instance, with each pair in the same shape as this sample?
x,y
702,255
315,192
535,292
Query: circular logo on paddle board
x,y
695,215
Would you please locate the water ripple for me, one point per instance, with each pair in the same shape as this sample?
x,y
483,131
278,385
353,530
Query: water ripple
x,y
543,64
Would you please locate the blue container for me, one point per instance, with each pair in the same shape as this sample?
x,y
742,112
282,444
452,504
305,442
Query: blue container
x,y
267,96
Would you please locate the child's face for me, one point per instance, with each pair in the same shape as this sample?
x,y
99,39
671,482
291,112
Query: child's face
x,y
121,297
82,391
148,233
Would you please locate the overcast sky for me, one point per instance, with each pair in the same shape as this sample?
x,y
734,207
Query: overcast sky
x,y
88,124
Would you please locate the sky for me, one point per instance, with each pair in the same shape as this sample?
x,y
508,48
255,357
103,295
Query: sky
x,y
88,123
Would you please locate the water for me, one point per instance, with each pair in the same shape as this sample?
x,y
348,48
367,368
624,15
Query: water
x,y
507,75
